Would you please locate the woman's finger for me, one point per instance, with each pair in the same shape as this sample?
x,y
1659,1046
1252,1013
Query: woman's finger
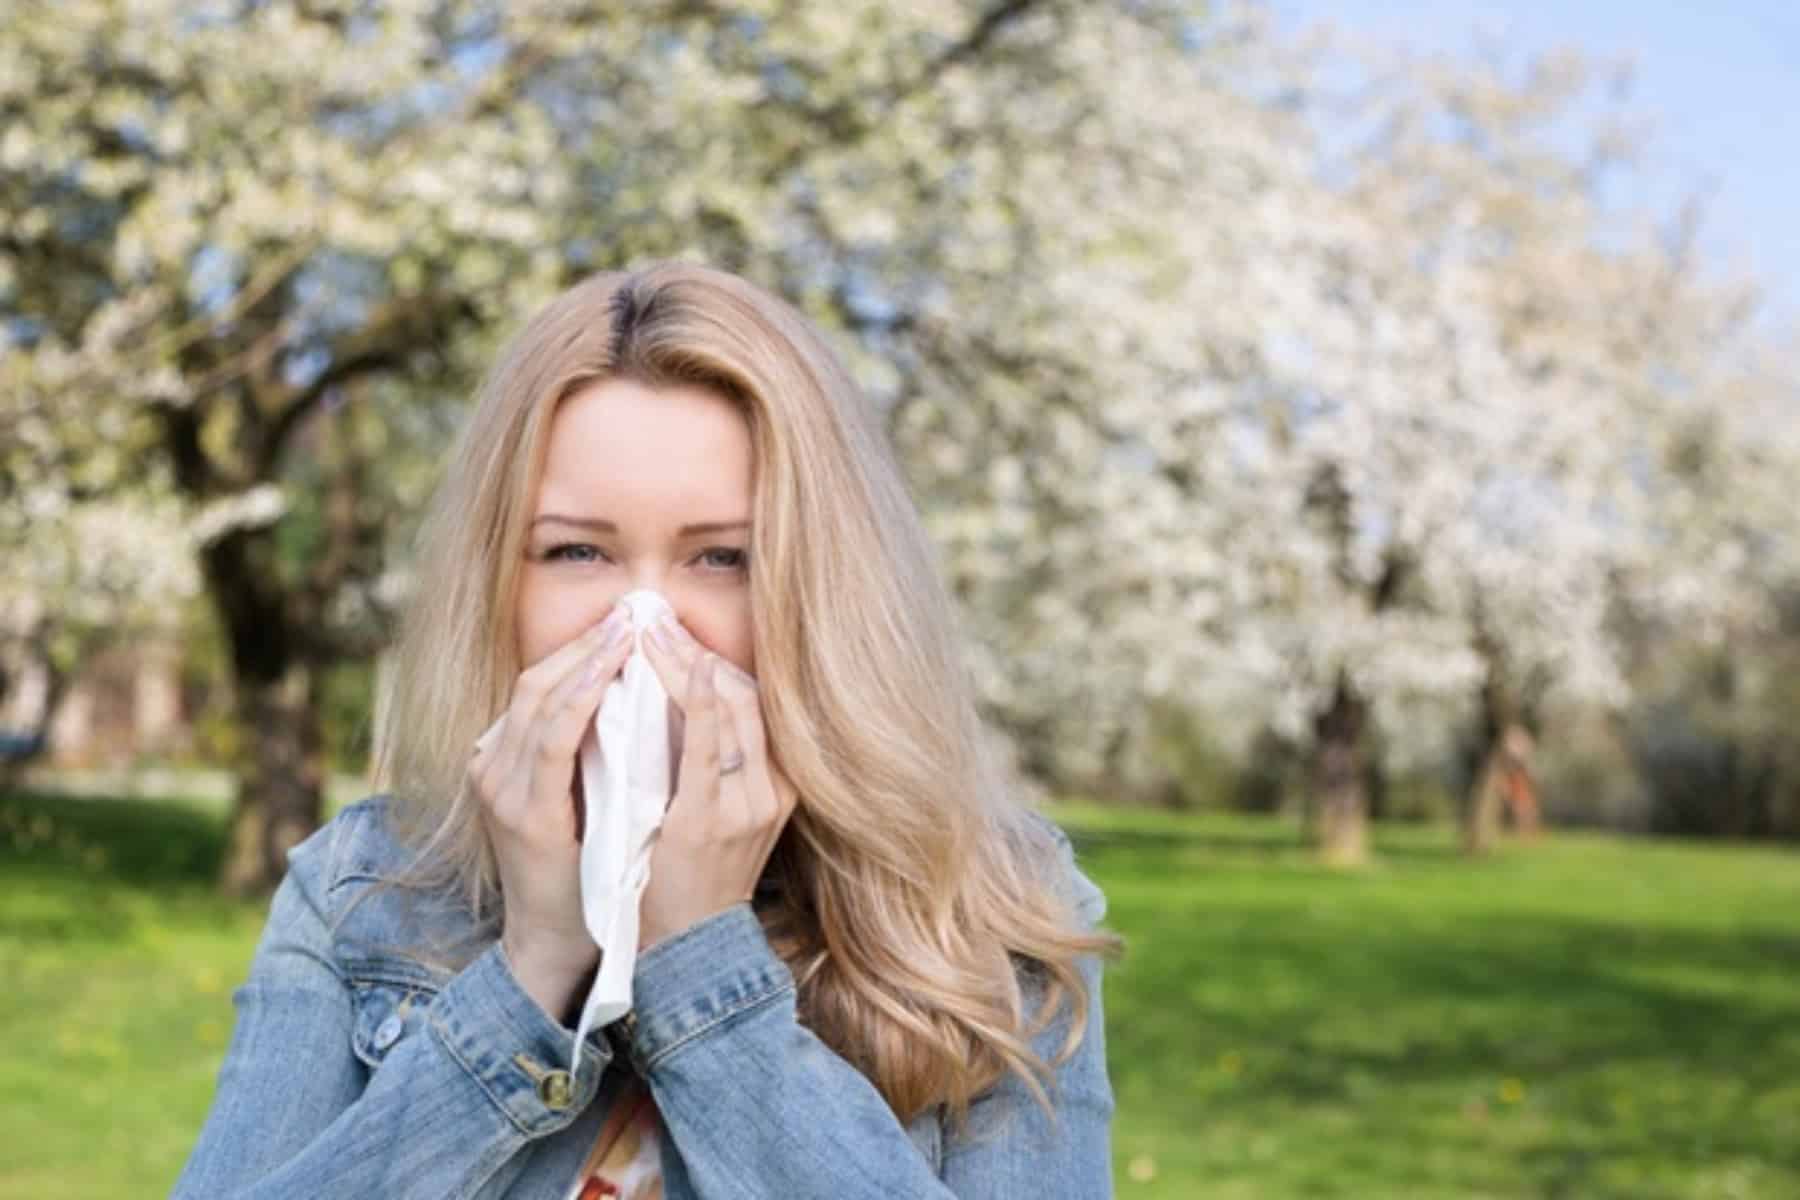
x,y
569,708
491,749
518,739
741,710
737,789
743,704
484,744
538,681
672,653
698,773
743,700
567,715
481,760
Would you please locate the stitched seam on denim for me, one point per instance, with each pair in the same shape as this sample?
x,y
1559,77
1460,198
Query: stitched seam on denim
x,y
449,1043
333,860
670,945
333,865
373,972
343,838
746,1006
346,869
354,819
323,957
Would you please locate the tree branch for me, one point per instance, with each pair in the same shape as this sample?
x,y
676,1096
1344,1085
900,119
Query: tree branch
x,y
846,124
401,328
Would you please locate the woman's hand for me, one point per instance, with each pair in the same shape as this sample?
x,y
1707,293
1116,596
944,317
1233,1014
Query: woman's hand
x,y
719,830
524,771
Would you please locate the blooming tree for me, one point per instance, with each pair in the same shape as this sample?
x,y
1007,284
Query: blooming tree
x,y
77,570
274,272
1201,406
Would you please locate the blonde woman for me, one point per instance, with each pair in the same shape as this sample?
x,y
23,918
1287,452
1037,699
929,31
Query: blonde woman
x,y
864,968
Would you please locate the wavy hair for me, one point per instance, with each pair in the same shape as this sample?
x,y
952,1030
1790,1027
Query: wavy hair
x,y
909,875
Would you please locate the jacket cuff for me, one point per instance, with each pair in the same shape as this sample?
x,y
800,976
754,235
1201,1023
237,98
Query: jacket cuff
x,y
512,1048
699,979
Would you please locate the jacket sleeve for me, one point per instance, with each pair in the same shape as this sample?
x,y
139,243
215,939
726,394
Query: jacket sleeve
x,y
758,1106
296,1113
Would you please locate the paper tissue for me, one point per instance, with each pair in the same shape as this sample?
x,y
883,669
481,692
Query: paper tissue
x,y
625,774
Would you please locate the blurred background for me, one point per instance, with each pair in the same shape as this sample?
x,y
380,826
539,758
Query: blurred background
x,y
1360,437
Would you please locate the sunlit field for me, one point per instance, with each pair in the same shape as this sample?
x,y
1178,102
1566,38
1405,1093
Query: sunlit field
x,y
1586,1017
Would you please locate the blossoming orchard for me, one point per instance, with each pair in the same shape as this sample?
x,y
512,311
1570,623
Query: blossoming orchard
x,y
1305,410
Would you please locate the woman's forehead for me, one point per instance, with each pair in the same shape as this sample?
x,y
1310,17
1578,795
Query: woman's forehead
x,y
620,450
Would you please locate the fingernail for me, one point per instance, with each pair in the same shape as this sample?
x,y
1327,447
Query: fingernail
x,y
615,633
617,619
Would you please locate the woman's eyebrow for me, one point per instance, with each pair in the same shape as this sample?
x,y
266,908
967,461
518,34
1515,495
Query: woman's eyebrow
x,y
601,525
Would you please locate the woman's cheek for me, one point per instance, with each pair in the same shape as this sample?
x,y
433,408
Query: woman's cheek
x,y
550,617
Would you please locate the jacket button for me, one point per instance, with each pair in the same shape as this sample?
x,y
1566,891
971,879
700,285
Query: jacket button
x,y
389,1031
556,1090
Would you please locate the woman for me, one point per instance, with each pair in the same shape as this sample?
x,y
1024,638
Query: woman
x,y
864,969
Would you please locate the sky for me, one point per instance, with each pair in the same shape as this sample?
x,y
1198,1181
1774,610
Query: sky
x,y
1718,83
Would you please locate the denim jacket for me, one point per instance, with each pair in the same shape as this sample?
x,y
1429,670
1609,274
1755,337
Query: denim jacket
x,y
356,1070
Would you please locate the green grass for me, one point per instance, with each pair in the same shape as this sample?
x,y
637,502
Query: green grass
x,y
118,965
1588,1017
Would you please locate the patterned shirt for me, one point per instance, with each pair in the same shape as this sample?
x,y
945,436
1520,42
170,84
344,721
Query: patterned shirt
x,y
626,1161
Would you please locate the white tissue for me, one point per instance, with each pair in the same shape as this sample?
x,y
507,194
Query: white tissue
x,y
625,773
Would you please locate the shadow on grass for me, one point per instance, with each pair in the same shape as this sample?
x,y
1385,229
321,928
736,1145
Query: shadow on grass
x,y
1269,839
135,841
1659,1031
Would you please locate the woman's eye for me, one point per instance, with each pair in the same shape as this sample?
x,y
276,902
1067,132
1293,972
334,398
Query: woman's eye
x,y
571,552
719,558
732,563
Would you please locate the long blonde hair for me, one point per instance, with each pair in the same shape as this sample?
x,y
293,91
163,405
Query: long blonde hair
x,y
908,875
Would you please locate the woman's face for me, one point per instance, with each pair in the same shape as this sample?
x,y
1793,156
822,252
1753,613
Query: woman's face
x,y
642,488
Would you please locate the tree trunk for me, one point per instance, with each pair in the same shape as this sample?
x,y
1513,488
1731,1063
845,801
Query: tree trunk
x,y
31,683
281,763
1505,784
1481,808
1521,780
281,778
1503,780
1339,780
31,689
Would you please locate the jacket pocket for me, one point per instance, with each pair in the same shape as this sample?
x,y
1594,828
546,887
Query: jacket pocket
x,y
386,1014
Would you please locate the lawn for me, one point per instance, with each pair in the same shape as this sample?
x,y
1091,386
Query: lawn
x,y
1587,1017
